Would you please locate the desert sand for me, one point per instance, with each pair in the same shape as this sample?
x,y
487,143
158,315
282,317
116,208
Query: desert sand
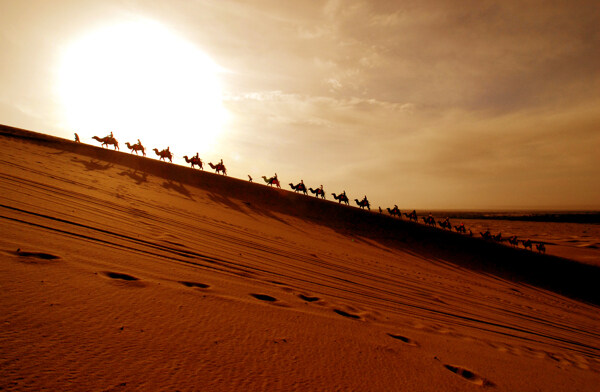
x,y
123,273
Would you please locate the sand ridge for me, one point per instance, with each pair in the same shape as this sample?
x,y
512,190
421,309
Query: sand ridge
x,y
129,274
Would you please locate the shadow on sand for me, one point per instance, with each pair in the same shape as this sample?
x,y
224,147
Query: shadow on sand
x,y
92,164
179,188
135,176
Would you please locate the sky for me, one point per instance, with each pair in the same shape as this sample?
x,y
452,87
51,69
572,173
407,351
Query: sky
x,y
424,104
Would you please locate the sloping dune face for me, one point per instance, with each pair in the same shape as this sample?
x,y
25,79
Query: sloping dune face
x,y
124,273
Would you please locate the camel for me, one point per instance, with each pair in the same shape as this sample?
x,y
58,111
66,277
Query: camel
x,y
300,187
541,248
394,211
107,140
513,241
164,154
136,147
527,244
194,161
428,220
272,181
486,236
445,224
317,192
341,198
460,229
363,203
219,167
412,216
497,237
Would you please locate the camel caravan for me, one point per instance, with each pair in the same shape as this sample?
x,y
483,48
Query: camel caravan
x,y
300,187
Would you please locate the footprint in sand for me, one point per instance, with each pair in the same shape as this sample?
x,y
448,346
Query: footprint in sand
x,y
194,284
404,339
308,298
470,376
348,315
35,255
264,297
129,279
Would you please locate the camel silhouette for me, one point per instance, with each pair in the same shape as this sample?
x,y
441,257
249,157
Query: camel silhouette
x,y
513,241
219,167
527,244
194,161
394,211
107,140
428,220
136,147
272,181
317,192
460,229
363,203
486,236
412,216
341,198
300,187
445,224
541,248
164,154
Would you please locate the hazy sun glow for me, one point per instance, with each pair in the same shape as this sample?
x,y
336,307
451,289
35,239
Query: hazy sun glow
x,y
139,80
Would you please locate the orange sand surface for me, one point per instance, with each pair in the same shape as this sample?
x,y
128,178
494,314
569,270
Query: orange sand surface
x,y
124,273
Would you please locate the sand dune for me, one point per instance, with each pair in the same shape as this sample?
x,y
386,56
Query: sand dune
x,y
125,273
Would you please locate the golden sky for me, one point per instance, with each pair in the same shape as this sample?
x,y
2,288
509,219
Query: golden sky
x,y
424,104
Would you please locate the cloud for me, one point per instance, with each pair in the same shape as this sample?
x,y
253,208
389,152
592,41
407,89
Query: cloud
x,y
430,102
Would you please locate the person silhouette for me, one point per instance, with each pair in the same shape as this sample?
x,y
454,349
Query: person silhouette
x,y
77,138
139,143
249,177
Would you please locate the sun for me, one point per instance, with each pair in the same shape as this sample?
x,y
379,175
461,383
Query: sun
x,y
141,81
